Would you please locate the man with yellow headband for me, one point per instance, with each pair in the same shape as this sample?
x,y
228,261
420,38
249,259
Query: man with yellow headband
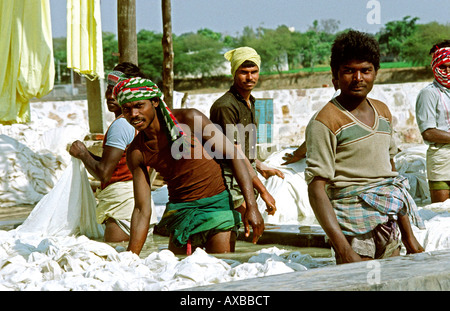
x,y
433,119
234,113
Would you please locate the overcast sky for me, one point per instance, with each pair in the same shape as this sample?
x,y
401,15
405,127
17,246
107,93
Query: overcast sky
x,y
231,16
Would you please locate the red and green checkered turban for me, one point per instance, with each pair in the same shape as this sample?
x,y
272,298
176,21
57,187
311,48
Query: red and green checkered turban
x,y
129,90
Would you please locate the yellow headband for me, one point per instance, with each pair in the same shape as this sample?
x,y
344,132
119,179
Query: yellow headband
x,y
240,55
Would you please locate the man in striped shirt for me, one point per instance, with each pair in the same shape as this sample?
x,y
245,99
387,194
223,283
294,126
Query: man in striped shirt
x,y
355,193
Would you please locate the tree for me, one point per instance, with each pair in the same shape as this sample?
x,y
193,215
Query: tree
x,y
198,54
150,54
393,35
315,44
110,50
417,47
60,56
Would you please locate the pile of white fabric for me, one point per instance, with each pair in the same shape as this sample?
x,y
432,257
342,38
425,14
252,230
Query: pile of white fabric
x,y
25,176
78,263
51,251
436,217
33,156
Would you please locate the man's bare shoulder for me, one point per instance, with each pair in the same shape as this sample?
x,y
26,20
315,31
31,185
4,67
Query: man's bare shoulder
x,y
186,115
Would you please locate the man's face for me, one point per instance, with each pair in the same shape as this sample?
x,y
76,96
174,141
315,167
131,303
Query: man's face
x,y
111,102
356,78
246,78
140,114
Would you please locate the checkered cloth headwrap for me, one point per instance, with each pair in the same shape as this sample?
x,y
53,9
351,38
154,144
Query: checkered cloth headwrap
x,y
128,90
440,57
114,76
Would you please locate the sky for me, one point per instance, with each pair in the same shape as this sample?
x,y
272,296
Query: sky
x,y
231,16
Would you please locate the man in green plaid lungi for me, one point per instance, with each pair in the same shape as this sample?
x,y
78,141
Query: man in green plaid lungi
x,y
357,196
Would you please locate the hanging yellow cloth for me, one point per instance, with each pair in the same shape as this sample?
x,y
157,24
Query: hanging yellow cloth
x,y
84,38
26,51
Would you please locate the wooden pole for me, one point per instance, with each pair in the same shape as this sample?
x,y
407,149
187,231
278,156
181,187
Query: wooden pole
x,y
126,30
167,44
96,108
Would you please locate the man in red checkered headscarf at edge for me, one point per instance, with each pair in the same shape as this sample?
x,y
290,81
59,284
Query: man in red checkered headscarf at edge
x,y
200,211
433,119
115,195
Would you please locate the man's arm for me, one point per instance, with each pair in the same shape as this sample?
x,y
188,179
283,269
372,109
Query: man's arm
x,y
297,155
142,212
326,216
266,171
436,136
101,168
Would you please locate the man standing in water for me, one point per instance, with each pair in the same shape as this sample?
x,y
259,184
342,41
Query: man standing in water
x,y
199,212
356,195
115,196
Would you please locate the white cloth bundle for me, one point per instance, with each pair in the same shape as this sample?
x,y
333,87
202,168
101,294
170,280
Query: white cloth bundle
x,y
290,193
68,209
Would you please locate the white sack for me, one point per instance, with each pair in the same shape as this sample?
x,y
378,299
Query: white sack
x,y
290,193
412,164
68,209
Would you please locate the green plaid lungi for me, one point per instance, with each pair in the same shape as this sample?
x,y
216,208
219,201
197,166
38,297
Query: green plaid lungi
x,y
359,209
188,218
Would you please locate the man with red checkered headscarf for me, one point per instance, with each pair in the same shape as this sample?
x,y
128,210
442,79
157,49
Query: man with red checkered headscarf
x,y
115,195
433,119
199,212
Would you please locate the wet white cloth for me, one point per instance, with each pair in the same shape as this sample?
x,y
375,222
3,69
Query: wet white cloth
x,y
411,163
290,193
68,209
28,262
436,236
25,176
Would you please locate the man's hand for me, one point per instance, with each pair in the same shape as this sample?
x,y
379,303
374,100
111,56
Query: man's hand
x,y
77,149
347,257
297,155
266,171
291,158
254,219
270,203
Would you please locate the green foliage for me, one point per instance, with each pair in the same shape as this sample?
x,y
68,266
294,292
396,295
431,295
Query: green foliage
x,y
110,50
392,37
282,49
150,54
198,54
417,47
